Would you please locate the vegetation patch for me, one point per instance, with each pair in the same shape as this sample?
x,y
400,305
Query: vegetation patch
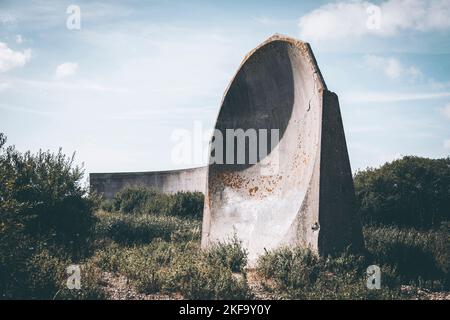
x,y
49,221
409,192
146,200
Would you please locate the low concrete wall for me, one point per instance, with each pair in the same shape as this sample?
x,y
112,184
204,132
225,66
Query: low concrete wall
x,y
167,181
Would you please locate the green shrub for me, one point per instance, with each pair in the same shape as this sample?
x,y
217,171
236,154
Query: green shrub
x,y
43,193
107,205
419,257
43,206
187,204
45,275
142,267
109,257
151,201
442,249
196,278
410,192
15,250
229,253
91,285
141,200
209,274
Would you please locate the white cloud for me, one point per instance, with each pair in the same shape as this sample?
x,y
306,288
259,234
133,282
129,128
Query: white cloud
x,y
392,67
66,69
349,18
334,20
10,59
19,39
447,144
446,111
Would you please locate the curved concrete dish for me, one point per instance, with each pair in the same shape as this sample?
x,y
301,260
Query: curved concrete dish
x,y
302,192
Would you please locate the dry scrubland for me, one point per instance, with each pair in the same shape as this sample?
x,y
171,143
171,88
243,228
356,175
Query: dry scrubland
x,y
146,245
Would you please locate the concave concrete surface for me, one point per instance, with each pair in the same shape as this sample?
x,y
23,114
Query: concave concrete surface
x,y
302,192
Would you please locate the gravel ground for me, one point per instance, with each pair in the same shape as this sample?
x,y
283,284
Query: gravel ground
x,y
424,294
118,288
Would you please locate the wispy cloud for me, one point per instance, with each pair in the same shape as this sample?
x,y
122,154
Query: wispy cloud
x,y
65,70
10,59
392,67
349,18
49,14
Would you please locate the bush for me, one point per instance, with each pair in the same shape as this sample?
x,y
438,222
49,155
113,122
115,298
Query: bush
x,y
45,275
230,254
142,265
91,285
410,192
107,205
419,257
151,201
187,204
195,277
42,196
208,274
43,210
141,200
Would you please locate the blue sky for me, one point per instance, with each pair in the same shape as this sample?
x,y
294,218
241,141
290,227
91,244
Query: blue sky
x,y
115,90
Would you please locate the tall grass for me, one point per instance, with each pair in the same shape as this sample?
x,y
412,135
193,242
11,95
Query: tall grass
x,y
419,257
143,228
178,267
405,256
300,274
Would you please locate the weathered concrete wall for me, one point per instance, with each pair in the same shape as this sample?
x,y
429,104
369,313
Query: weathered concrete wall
x,y
167,181
308,200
